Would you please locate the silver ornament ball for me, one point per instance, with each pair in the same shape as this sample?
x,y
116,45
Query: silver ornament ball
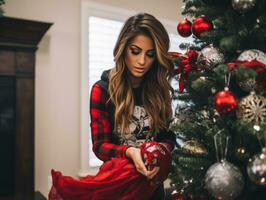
x,y
251,84
223,180
253,54
243,5
209,57
256,168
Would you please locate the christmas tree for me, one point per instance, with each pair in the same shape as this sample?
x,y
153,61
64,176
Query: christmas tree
x,y
221,112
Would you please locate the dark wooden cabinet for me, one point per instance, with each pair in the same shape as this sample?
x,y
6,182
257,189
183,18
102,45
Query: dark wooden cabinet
x,y
18,43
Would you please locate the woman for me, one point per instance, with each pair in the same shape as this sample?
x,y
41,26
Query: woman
x,y
134,98
129,106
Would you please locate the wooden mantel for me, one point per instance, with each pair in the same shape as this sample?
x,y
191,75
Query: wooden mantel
x,y
21,33
18,43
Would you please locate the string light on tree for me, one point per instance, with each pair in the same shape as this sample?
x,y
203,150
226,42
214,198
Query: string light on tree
x,y
242,153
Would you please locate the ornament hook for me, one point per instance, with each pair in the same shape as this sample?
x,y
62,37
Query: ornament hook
x,y
221,145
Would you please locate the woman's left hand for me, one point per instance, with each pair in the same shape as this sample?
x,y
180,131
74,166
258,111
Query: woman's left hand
x,y
153,172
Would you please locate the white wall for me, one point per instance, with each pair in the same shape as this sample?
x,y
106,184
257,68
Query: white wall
x,y
57,95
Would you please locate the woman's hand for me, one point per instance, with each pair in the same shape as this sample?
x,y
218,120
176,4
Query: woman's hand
x,y
134,154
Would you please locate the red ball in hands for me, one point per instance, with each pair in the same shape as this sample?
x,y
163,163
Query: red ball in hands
x,y
177,196
155,154
184,28
200,25
225,101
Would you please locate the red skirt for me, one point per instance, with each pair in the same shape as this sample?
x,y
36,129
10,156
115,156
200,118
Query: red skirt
x,y
117,179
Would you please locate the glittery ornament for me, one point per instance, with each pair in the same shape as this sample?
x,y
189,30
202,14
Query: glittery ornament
x,y
256,168
201,25
258,83
225,101
184,28
185,114
223,180
194,147
243,5
248,84
155,154
252,108
209,57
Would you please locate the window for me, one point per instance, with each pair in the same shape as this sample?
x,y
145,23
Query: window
x,y
103,34
100,27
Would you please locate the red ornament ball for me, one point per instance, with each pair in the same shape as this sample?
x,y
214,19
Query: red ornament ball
x,y
177,196
155,154
225,101
200,25
184,28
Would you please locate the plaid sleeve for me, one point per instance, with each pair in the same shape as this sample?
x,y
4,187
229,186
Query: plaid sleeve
x,y
103,147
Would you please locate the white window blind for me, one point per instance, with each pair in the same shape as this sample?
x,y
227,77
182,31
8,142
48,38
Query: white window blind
x,y
102,34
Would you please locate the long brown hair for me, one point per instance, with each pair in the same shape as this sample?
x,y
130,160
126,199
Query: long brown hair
x,y
156,92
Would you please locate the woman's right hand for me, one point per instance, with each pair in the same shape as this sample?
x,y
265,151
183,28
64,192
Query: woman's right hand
x,y
134,154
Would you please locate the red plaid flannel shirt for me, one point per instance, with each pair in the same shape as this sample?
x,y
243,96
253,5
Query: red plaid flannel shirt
x,y
105,145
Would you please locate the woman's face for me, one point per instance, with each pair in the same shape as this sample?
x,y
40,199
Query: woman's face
x,y
140,54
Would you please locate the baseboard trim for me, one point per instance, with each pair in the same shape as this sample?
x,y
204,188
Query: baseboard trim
x,y
39,196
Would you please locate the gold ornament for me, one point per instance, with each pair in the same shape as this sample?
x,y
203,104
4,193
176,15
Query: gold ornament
x,y
194,147
252,109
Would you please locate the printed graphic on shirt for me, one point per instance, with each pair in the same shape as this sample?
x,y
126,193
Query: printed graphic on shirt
x,y
139,128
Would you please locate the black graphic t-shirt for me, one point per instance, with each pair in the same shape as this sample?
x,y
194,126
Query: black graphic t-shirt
x,y
140,126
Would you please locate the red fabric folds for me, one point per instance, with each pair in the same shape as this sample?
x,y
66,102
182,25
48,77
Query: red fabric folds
x,y
117,179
